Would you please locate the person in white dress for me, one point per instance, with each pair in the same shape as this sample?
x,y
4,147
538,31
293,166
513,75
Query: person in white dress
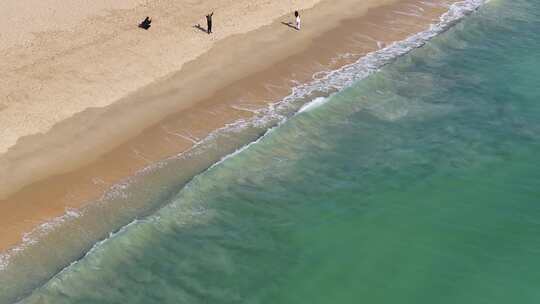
x,y
297,15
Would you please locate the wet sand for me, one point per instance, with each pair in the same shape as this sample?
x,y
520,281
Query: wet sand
x,y
79,158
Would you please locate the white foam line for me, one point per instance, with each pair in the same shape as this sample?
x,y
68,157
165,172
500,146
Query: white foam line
x,y
97,245
417,7
140,155
245,109
193,136
344,56
190,138
367,37
412,14
211,112
98,181
241,149
317,102
35,234
430,4
323,82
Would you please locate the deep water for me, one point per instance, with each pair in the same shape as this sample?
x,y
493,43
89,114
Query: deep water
x,y
419,184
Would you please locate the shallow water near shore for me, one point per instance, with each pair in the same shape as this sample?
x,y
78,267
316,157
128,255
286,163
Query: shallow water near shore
x,y
419,184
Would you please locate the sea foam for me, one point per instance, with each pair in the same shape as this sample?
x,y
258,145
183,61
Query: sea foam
x,y
328,82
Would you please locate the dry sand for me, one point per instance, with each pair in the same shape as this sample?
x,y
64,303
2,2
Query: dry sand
x,y
61,57
94,98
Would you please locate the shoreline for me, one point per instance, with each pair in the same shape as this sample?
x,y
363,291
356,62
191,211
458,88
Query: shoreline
x,y
126,160
38,158
152,137
283,76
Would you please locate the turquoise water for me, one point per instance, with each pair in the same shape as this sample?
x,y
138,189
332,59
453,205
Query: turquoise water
x,y
419,184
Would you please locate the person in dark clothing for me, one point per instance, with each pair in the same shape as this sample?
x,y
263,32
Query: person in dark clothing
x,y
146,23
209,23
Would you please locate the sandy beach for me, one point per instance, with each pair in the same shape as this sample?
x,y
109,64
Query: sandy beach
x,y
88,99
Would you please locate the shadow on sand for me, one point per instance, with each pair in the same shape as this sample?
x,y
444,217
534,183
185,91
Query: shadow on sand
x,y
199,27
289,24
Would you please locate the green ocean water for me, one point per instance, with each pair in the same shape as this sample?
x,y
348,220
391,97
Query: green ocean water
x,y
419,184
